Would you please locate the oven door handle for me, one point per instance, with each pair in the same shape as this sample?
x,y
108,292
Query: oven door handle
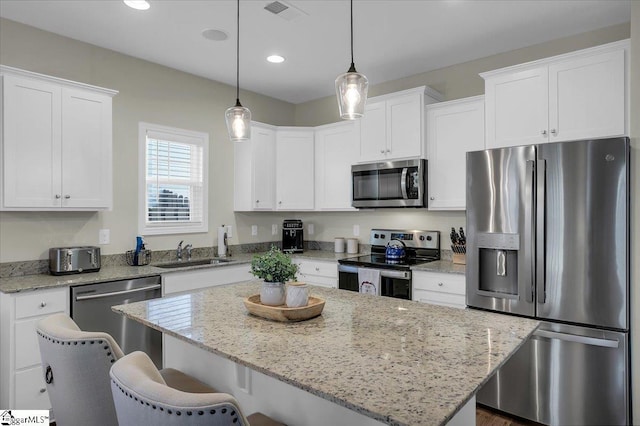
x,y
384,273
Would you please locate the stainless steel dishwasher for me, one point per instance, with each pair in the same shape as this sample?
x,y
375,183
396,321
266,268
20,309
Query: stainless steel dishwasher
x,y
91,310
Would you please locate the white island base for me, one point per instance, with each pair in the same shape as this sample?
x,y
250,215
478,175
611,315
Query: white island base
x,y
284,402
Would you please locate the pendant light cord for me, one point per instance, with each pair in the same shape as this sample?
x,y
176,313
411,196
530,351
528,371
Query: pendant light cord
x,y
352,68
238,57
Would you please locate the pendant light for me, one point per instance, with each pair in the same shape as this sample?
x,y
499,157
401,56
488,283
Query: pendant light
x,y
351,88
238,117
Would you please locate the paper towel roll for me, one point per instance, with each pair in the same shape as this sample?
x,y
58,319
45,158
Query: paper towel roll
x,y
222,241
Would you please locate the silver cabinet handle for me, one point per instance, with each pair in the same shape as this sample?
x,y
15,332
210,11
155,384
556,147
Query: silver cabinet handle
x,y
279,202
58,196
43,390
440,284
382,151
544,133
388,151
317,269
43,304
257,201
432,198
66,197
554,132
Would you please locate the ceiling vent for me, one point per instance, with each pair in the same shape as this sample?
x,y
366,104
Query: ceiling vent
x,y
284,10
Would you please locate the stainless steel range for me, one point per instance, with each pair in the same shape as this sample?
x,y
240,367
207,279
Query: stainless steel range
x,y
387,270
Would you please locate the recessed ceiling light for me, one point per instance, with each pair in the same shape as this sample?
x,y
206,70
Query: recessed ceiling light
x,y
215,35
138,4
275,59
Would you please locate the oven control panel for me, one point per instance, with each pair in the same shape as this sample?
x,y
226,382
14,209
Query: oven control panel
x,y
410,238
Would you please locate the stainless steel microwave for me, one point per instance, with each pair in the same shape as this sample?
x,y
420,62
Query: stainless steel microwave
x,y
389,184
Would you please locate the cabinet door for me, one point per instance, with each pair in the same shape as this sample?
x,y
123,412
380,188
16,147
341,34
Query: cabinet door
x,y
336,149
263,145
452,130
517,108
242,176
294,170
373,132
31,143
86,149
587,97
404,126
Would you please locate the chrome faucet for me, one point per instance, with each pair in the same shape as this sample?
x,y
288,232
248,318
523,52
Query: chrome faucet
x,y
188,248
179,250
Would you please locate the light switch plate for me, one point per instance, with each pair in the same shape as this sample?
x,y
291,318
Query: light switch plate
x,y
229,231
254,230
311,229
104,236
356,230
274,229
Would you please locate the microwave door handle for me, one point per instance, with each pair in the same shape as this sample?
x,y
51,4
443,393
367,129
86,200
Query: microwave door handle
x,y
403,182
541,236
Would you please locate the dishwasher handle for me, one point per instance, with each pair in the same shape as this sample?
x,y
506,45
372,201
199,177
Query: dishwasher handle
x,y
117,293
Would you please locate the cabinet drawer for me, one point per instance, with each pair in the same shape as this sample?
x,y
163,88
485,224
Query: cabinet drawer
x,y
438,282
41,303
323,269
27,349
437,298
31,390
318,280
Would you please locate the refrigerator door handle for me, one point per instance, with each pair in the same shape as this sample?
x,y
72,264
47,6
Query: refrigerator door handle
x,y
541,231
529,226
593,341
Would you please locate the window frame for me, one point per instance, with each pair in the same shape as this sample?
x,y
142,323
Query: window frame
x,y
182,136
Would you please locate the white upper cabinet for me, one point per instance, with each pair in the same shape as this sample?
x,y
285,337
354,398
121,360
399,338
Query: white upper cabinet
x,y
254,171
393,125
453,129
294,168
336,149
579,95
56,143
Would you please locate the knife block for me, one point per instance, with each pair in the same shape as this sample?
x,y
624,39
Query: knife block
x,y
459,258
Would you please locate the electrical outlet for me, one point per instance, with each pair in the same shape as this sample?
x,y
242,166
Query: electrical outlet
x,y
104,236
229,231
311,229
274,229
254,230
356,230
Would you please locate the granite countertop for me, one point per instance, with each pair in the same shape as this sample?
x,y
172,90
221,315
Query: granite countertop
x,y
396,361
445,266
112,273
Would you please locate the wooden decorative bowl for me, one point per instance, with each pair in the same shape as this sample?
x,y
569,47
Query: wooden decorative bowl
x,y
282,313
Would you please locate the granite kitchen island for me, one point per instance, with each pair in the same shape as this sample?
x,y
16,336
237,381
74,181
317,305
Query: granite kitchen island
x,y
365,360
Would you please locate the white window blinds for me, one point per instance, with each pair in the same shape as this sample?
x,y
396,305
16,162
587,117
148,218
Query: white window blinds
x,y
174,183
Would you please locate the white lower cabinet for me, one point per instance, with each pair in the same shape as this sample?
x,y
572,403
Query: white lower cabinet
x,y
22,383
439,288
181,281
318,272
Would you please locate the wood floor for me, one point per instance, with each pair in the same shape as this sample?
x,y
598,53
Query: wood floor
x,y
487,417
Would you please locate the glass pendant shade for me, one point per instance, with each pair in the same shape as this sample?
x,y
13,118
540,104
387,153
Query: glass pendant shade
x,y
238,122
351,89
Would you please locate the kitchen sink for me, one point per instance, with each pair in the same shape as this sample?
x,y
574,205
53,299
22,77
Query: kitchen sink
x,y
196,262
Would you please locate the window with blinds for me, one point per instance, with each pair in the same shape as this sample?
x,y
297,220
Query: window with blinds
x,y
173,180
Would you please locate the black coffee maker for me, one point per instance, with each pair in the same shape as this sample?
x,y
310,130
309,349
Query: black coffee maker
x,y
292,236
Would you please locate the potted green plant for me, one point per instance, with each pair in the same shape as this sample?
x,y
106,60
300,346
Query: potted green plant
x,y
275,268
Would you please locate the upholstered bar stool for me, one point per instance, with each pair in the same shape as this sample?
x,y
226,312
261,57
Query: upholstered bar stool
x,y
142,397
76,365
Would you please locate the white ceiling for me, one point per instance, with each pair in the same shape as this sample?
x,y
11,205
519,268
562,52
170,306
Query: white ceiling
x,y
393,38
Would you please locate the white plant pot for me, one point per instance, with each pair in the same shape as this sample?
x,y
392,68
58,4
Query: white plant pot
x,y
272,294
297,294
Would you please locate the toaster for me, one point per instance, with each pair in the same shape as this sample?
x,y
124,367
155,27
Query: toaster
x,y
74,260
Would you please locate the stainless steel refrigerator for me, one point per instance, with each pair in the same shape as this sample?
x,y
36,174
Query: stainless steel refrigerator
x,y
548,237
